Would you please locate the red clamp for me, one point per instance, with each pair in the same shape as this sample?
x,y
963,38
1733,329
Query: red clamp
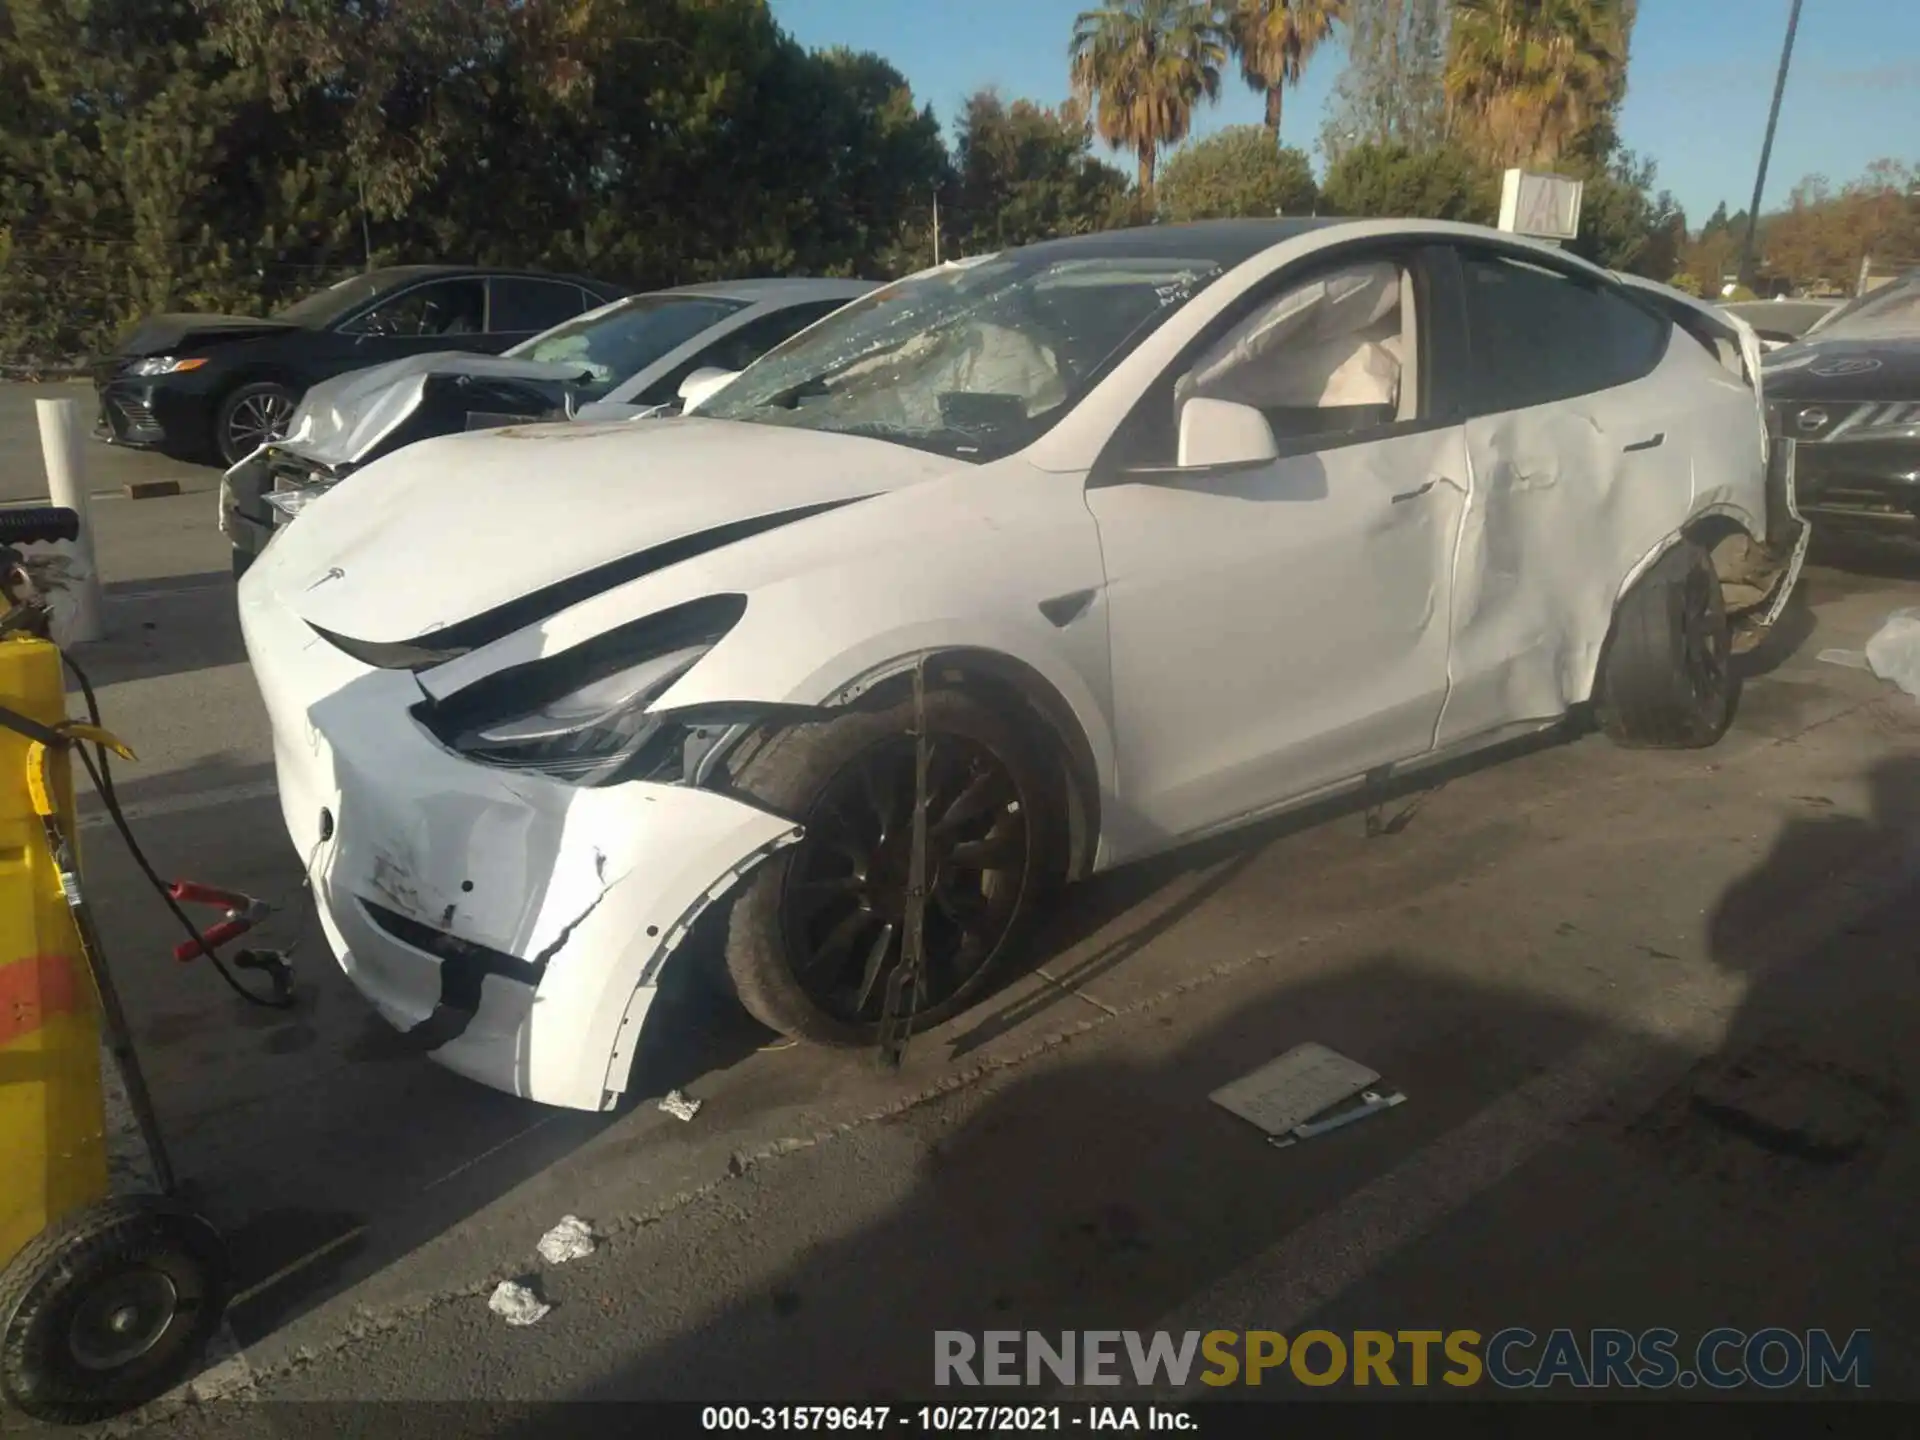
x,y
243,912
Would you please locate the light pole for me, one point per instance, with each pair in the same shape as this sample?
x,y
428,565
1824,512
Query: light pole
x,y
1744,271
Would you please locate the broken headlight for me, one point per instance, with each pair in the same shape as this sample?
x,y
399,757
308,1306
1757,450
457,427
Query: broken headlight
x,y
289,503
582,716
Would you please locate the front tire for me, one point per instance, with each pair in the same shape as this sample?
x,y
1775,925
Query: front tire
x,y
816,932
110,1308
1666,679
251,416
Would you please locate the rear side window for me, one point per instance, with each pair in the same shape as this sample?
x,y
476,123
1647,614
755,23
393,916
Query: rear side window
x,y
1537,336
739,348
526,307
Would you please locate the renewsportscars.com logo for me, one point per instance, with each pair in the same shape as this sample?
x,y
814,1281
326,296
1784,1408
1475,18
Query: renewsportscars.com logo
x,y
1512,1359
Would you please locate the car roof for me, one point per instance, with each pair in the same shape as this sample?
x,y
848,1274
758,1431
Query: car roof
x,y
791,289
404,274
1227,242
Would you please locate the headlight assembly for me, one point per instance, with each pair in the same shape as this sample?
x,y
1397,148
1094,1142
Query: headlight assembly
x,y
581,716
289,503
165,365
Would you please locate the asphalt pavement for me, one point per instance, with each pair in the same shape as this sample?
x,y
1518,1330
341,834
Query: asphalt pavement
x,y
1568,960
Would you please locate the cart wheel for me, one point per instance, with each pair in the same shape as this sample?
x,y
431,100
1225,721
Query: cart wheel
x,y
109,1308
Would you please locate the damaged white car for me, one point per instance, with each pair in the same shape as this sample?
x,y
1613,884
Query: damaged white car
x,y
1177,528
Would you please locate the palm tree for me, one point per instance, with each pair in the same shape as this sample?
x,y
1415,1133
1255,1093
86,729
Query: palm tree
x,y
1276,38
1528,77
1147,63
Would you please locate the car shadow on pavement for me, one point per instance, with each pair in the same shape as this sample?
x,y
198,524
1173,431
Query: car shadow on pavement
x,y
1552,1168
1084,910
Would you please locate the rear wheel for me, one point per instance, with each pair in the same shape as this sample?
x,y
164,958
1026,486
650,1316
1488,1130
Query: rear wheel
x,y
250,417
817,931
1666,680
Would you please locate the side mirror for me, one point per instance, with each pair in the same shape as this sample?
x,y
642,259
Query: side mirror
x,y
700,384
1218,433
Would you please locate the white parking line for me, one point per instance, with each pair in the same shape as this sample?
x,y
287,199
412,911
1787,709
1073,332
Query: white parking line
x,y
185,804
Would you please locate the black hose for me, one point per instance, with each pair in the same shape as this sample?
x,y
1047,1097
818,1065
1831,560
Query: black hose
x,y
102,777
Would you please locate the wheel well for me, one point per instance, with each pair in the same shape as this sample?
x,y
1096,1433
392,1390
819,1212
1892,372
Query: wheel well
x,y
1044,717
1746,567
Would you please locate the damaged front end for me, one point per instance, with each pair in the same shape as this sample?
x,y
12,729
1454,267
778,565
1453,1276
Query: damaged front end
x,y
504,873
344,424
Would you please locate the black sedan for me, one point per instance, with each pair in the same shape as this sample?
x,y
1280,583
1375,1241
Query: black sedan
x,y
1849,395
216,387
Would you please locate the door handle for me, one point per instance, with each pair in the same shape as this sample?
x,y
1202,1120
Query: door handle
x,y
1414,494
1652,442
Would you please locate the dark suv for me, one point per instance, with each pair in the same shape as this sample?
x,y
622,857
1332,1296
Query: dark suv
x,y
1849,394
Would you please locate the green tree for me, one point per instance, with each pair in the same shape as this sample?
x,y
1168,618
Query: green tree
x,y
1275,39
406,74
1235,172
1024,173
129,177
1443,183
1531,80
1624,225
1393,90
1146,64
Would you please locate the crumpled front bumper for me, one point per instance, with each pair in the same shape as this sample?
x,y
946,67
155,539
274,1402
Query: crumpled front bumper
x,y
514,927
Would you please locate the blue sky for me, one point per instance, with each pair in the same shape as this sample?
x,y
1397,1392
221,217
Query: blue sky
x,y
1696,102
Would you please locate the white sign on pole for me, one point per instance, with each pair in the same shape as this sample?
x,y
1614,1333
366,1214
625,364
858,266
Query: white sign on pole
x,y
1546,207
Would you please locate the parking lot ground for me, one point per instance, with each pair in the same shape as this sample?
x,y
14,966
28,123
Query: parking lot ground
x,y
1546,958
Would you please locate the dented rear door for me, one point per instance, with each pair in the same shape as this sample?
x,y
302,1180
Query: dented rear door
x,y
1580,442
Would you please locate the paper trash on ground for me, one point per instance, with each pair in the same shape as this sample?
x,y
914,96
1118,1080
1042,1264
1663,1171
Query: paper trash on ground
x,y
571,1239
679,1106
516,1304
1894,651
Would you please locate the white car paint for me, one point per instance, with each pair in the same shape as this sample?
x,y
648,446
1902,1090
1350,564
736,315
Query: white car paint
x,y
1237,641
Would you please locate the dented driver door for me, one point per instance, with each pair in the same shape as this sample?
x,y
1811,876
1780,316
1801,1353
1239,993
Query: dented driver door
x,y
1282,628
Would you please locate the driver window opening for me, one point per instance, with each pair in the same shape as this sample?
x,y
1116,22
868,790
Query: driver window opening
x,y
447,307
1329,357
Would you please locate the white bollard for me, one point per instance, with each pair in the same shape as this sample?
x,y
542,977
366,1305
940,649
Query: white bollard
x,y
77,613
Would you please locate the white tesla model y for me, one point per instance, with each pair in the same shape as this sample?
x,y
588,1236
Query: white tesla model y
x,y
1178,527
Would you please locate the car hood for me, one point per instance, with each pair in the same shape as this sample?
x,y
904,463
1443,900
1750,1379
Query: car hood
x,y
1845,368
343,420
480,534
166,334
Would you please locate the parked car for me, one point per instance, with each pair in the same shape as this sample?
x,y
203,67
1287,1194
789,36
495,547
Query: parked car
x,y
623,360
1178,528
1780,322
1849,395
207,387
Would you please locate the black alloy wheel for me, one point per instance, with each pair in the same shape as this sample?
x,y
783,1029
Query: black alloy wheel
x,y
843,906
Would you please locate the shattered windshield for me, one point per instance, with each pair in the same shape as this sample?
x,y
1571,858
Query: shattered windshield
x,y
620,340
974,360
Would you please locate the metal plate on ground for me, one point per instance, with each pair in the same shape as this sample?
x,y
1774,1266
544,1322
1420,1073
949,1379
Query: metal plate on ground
x,y
1306,1081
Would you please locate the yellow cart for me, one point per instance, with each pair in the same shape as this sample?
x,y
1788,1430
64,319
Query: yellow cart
x,y
106,1301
